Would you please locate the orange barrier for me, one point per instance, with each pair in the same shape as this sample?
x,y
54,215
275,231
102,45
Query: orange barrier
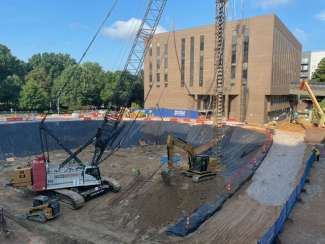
x,y
12,119
94,114
173,119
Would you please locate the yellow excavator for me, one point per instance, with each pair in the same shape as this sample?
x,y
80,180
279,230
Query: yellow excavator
x,y
320,115
200,166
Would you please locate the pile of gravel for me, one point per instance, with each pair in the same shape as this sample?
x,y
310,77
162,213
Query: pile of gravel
x,y
272,184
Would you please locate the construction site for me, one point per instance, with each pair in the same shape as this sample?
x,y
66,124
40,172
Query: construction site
x,y
226,172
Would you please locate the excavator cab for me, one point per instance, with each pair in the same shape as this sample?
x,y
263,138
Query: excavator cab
x,y
199,163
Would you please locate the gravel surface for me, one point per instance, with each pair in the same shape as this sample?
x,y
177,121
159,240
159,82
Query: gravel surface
x,y
272,183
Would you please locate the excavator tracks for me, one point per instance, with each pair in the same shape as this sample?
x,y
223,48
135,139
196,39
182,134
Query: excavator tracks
x,y
114,184
74,199
200,176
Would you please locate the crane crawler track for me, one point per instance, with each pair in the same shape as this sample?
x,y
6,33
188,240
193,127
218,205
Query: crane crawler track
x,y
74,199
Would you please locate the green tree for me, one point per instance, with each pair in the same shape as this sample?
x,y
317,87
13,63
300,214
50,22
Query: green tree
x,y
33,97
108,91
9,90
319,74
123,89
12,72
81,89
52,64
98,81
46,67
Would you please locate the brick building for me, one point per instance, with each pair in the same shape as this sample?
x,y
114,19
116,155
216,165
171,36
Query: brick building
x,y
262,58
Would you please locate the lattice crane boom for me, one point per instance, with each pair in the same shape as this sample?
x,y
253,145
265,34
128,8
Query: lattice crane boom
x,y
220,24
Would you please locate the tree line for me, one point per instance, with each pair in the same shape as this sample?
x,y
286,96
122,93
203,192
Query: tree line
x,y
34,85
319,74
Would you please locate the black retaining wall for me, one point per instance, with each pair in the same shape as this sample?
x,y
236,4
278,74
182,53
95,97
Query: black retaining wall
x,y
23,139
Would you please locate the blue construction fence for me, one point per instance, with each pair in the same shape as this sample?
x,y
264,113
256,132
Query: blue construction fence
x,y
169,113
274,231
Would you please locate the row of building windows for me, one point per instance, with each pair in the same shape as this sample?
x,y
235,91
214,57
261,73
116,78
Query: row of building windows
x,y
279,99
285,61
234,43
182,62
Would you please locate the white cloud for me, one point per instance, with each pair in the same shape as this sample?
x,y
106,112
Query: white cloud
x,y
300,34
321,15
126,29
272,3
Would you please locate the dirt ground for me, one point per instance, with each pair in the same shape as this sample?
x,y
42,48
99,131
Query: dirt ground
x,y
139,213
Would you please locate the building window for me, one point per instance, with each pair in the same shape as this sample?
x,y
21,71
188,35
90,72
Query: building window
x,y
245,71
233,72
166,63
201,71
183,43
245,54
150,72
192,61
166,77
158,50
158,63
234,55
305,60
201,43
150,50
304,67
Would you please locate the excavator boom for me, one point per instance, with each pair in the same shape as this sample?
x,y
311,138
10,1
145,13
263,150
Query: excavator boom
x,y
305,86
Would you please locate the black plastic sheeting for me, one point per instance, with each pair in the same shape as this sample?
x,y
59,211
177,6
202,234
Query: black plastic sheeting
x,y
243,150
238,170
189,224
23,139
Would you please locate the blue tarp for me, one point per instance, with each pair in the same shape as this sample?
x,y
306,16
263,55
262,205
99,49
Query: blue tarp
x,y
178,113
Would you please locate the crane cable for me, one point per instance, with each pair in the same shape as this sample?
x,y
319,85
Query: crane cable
x,y
109,13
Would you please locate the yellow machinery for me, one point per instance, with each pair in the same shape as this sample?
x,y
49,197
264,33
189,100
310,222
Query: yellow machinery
x,y
200,167
43,209
320,113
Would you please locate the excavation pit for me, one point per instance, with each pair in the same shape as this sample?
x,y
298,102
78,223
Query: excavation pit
x,y
145,208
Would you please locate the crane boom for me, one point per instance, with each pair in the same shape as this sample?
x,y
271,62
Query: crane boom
x,y
305,85
109,129
106,134
220,25
219,57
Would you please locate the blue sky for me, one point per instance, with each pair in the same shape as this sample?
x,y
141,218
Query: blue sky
x,y
29,27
